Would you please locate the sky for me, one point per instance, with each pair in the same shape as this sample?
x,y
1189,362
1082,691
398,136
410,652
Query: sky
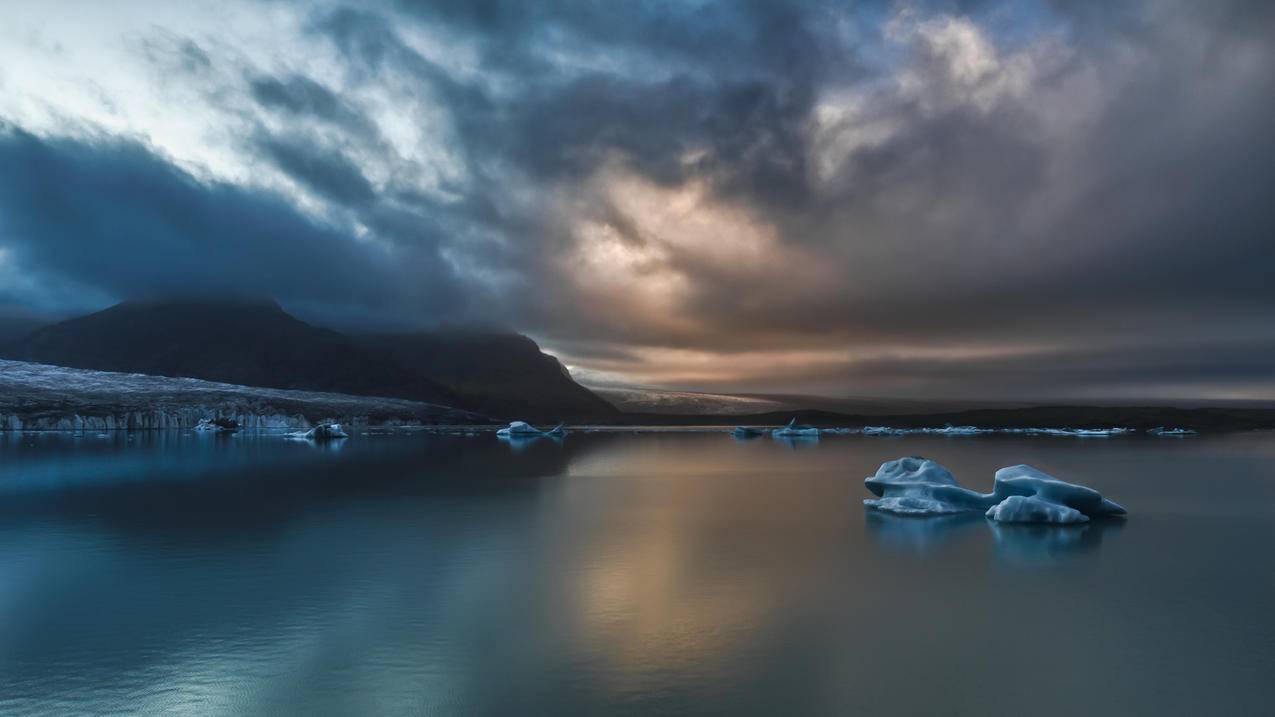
x,y
978,200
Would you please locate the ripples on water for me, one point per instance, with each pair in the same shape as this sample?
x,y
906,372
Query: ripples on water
x,y
171,573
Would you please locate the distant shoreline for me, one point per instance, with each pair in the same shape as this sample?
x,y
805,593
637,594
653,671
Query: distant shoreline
x,y
44,397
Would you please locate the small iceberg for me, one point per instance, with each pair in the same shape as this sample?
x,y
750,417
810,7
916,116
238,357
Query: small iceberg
x,y
522,429
747,432
1020,494
321,432
1162,431
795,430
227,425
883,431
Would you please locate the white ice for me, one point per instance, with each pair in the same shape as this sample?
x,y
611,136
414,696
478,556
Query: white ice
x,y
795,430
522,429
1020,494
1030,509
975,431
322,432
1162,431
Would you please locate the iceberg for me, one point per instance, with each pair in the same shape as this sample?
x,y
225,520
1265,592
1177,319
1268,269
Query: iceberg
x,y
1020,494
1030,509
747,432
522,429
883,431
217,424
920,486
323,432
977,431
1027,481
1162,431
795,430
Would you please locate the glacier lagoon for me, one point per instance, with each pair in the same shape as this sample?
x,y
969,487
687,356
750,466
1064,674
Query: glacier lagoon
x,y
649,573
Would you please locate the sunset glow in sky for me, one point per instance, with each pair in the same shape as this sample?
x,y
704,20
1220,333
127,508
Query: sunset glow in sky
x,y
911,199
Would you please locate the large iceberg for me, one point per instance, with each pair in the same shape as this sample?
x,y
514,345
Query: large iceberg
x,y
1020,494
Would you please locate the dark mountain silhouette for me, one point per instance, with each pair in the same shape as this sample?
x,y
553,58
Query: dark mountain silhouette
x,y
496,373
246,342
257,343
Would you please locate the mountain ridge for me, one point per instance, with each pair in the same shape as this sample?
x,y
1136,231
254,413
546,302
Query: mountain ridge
x,y
255,342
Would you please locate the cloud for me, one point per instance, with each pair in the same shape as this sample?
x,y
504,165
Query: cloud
x,y
113,219
685,192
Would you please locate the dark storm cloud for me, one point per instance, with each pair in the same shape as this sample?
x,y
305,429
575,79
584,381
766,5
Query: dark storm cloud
x,y
1179,370
299,95
327,172
113,217
996,181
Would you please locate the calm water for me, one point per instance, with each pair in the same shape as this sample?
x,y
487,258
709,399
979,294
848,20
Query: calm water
x,y
622,574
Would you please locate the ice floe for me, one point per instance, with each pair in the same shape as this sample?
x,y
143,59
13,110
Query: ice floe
x,y
976,431
321,432
1162,431
747,432
795,430
217,425
1020,494
522,429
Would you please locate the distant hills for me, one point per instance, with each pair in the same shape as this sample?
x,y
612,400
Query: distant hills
x,y
257,343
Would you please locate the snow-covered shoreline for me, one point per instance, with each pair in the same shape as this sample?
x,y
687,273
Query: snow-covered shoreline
x,y
35,397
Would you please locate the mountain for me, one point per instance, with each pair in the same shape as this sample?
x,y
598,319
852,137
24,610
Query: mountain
x,y
497,373
257,343
16,325
244,342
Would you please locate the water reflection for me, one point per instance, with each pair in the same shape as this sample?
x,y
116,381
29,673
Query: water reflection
x,y
1013,543
520,443
920,535
795,442
610,574
1026,545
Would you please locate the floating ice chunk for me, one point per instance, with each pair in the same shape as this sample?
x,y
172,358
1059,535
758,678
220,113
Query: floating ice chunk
x,y
1162,431
795,430
1030,509
919,486
747,432
1024,480
325,432
522,429
958,430
975,431
217,424
882,431
518,428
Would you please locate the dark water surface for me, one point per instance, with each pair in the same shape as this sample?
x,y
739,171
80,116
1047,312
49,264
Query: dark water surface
x,y
640,574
